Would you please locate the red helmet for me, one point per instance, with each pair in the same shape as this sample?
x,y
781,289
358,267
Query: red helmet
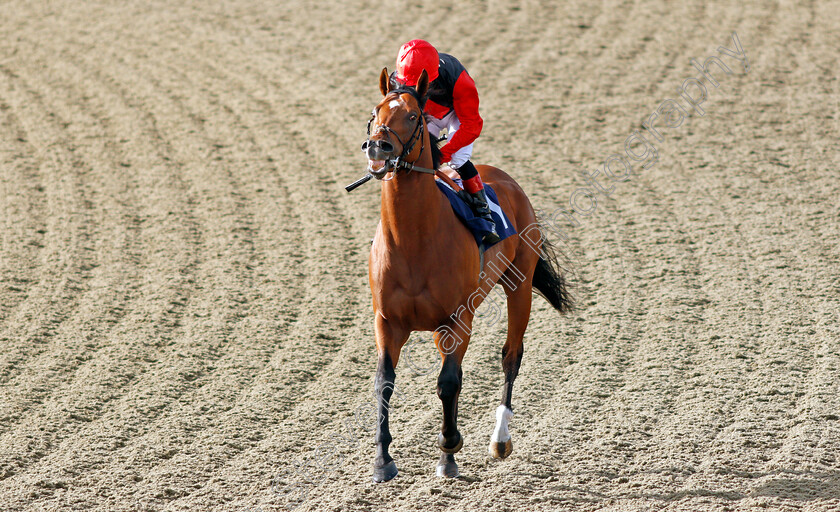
x,y
415,56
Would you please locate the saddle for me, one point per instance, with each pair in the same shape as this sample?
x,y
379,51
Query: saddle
x,y
449,175
449,183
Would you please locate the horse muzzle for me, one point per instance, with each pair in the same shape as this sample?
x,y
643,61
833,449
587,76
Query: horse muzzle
x,y
378,149
380,154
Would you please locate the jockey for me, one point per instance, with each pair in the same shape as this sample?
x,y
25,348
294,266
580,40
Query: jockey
x,y
452,104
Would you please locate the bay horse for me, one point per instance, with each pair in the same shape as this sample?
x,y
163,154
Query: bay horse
x,y
424,270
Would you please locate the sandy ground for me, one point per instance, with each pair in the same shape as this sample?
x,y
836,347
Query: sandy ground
x,y
184,308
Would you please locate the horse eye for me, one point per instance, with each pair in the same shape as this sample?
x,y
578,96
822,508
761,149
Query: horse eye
x,y
413,117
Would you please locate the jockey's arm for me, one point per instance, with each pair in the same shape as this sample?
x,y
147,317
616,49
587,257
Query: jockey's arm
x,y
465,103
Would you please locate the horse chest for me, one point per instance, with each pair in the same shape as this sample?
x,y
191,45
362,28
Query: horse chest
x,y
422,284
417,298
400,304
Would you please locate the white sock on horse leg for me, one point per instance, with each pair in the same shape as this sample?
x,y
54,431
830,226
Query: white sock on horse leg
x,y
503,416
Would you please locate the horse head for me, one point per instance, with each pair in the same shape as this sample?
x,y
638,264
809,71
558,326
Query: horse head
x,y
396,126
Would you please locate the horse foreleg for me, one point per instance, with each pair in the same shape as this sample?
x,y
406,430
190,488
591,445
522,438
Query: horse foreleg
x,y
519,311
452,343
389,341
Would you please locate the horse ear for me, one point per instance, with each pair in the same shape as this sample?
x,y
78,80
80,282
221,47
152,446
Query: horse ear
x,y
422,86
384,82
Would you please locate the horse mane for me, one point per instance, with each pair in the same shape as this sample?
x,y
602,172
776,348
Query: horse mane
x,y
436,154
421,102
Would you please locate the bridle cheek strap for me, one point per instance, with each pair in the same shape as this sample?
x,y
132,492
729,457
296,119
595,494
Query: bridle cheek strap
x,y
417,133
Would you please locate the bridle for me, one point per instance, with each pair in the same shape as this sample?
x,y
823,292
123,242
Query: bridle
x,y
398,163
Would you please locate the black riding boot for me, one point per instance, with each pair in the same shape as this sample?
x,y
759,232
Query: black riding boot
x,y
478,201
482,209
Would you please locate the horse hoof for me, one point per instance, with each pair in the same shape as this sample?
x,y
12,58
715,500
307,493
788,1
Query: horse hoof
x,y
446,467
455,449
501,449
385,473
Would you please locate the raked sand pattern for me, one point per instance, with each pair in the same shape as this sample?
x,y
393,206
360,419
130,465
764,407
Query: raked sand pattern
x,y
184,309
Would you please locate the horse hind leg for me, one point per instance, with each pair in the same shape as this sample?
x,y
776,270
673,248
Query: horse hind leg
x,y
519,311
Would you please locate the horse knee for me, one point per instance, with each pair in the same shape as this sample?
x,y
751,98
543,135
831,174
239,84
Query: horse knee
x,y
448,385
383,388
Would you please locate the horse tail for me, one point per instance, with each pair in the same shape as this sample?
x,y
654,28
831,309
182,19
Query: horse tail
x,y
549,281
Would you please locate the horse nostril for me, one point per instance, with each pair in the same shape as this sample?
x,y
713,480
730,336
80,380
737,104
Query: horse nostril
x,y
378,149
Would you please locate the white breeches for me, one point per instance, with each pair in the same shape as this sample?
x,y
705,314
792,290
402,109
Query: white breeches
x,y
451,123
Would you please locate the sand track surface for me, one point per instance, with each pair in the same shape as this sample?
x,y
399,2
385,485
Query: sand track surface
x,y
184,309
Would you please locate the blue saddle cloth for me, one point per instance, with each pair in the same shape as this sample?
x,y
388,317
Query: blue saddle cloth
x,y
477,225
